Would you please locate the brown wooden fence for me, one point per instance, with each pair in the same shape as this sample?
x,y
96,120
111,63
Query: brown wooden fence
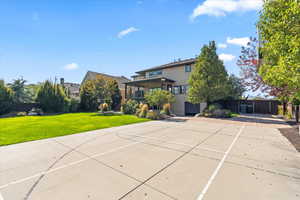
x,y
251,106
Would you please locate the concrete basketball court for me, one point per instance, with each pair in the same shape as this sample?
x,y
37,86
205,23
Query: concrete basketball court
x,y
183,158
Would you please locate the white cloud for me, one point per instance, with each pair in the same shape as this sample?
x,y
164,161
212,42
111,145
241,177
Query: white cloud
x,y
222,46
222,7
127,31
71,66
238,41
226,57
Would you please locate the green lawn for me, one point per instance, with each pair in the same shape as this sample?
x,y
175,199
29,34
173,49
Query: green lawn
x,y
21,129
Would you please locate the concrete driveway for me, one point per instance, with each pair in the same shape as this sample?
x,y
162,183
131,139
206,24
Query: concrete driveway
x,y
184,158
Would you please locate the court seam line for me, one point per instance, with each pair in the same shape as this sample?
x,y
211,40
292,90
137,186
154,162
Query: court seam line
x,y
182,144
169,164
65,166
69,164
121,172
230,162
216,171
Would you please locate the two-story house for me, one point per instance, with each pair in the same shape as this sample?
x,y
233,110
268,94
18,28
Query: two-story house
x,y
173,77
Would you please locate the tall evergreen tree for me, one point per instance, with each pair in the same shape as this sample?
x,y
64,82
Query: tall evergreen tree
x,y
6,98
88,97
115,94
19,89
236,88
52,98
208,80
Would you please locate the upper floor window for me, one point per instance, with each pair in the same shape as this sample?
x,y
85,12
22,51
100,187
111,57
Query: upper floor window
x,y
155,73
187,68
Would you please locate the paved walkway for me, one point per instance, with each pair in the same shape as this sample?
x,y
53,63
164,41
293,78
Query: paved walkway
x,y
184,158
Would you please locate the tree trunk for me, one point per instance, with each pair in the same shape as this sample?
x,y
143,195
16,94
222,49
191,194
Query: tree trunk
x,y
284,108
297,113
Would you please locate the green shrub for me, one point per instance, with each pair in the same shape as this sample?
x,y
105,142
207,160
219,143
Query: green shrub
x,y
214,107
221,113
74,105
103,107
144,111
159,97
280,110
52,98
137,112
289,115
129,107
154,115
6,99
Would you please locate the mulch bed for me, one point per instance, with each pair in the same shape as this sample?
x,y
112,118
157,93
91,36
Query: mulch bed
x,y
292,134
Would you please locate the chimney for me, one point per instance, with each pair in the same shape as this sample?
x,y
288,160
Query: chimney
x,y
62,81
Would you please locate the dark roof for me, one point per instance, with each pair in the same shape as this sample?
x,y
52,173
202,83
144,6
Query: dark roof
x,y
150,80
169,65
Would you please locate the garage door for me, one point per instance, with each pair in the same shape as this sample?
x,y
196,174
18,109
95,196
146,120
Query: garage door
x,y
191,109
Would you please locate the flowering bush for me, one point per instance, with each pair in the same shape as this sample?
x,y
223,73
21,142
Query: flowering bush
x,y
103,107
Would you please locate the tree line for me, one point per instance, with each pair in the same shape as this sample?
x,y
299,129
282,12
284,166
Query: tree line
x,y
53,97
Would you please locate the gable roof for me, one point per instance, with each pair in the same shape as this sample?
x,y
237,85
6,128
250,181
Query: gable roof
x,y
169,65
92,76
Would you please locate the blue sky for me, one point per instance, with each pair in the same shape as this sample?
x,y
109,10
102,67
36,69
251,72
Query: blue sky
x,y
46,39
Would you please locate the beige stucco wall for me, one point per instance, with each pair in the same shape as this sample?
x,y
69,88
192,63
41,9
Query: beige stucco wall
x,y
181,77
178,106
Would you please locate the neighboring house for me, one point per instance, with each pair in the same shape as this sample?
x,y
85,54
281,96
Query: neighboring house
x,y
173,77
120,80
72,89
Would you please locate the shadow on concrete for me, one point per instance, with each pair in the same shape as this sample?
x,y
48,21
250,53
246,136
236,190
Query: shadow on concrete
x,y
175,119
258,118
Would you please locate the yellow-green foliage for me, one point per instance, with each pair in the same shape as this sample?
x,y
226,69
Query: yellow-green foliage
x,y
137,112
153,115
141,105
167,109
280,110
103,107
289,115
144,111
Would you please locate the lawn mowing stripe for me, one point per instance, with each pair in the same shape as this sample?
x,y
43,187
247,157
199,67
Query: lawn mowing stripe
x,y
215,173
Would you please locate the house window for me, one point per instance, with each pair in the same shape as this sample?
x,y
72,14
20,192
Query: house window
x,y
154,89
155,73
187,68
180,89
176,90
183,89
